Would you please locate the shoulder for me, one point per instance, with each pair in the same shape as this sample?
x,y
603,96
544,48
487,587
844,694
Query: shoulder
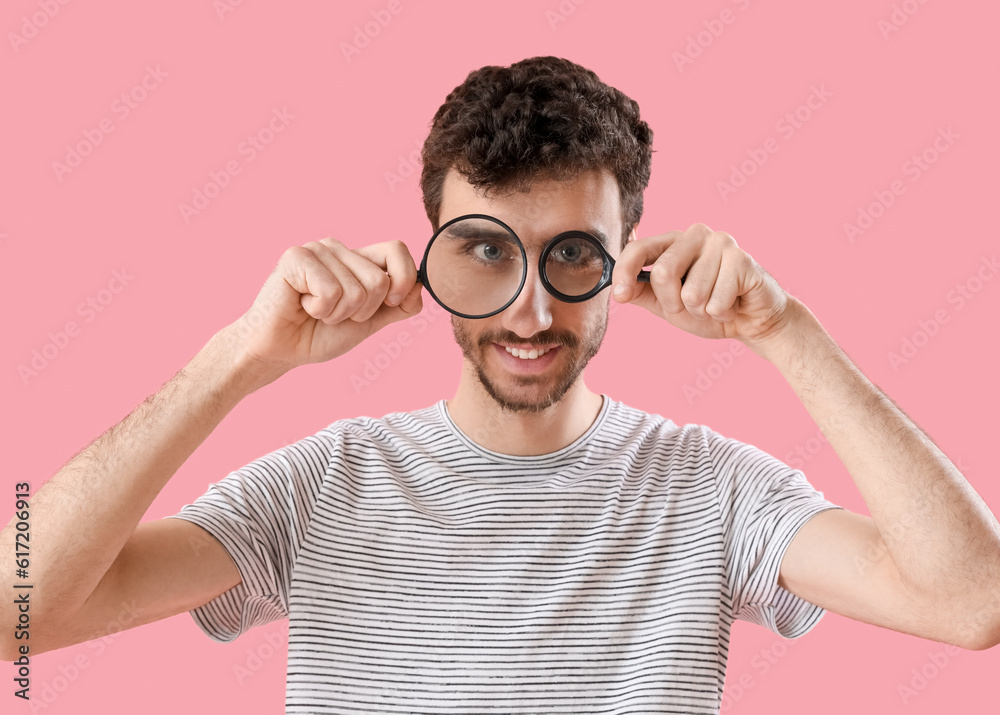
x,y
688,446
654,431
395,429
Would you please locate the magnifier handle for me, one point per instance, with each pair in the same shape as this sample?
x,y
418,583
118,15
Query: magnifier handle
x,y
644,277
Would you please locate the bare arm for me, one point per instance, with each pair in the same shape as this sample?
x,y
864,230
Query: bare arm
x,y
82,516
927,561
88,552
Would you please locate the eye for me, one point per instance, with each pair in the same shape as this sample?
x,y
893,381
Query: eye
x,y
575,252
570,252
487,251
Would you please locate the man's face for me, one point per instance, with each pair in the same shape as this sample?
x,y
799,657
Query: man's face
x,y
568,333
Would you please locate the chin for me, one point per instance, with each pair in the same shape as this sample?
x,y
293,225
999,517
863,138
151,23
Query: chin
x,y
527,393
522,403
522,394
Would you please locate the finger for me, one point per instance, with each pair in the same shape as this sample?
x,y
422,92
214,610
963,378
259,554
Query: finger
x,y
353,294
395,259
413,301
633,257
370,276
319,287
668,274
411,304
732,272
700,281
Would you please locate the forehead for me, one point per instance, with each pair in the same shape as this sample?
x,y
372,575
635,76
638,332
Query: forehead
x,y
588,203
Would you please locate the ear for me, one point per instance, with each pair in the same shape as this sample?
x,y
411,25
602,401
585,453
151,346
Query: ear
x,y
628,239
631,237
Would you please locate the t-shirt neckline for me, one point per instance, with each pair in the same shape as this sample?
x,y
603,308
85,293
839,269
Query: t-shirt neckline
x,y
535,459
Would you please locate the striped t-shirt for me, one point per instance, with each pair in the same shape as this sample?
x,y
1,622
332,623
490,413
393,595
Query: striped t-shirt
x,y
422,573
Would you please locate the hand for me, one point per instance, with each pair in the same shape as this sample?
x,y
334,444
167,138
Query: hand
x,y
324,298
725,293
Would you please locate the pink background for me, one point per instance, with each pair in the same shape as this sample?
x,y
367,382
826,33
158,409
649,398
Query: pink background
x,y
325,174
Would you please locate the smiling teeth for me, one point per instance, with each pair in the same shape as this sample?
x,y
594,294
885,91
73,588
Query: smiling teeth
x,y
526,354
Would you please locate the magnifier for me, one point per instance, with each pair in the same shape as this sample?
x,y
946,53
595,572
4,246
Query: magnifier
x,y
475,266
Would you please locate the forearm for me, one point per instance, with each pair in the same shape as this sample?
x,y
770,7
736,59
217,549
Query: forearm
x,y
942,537
82,516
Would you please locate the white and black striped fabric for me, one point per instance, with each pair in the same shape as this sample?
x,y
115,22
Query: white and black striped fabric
x,y
422,573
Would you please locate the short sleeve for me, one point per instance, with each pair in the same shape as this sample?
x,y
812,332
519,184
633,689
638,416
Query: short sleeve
x,y
260,514
764,503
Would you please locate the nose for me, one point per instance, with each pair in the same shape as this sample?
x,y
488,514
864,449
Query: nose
x,y
531,311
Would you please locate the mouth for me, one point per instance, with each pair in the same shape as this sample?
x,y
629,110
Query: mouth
x,y
526,359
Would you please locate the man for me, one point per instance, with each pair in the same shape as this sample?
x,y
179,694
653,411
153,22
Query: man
x,y
528,545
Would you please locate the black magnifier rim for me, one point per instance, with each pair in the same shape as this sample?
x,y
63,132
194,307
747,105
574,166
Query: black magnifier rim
x,y
422,273
603,283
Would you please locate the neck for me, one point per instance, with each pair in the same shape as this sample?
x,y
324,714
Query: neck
x,y
522,433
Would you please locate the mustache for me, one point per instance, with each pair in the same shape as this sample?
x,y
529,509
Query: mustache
x,y
542,339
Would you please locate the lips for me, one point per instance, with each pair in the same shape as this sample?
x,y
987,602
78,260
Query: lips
x,y
531,354
511,357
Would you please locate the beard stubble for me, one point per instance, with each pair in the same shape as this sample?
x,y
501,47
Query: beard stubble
x,y
576,353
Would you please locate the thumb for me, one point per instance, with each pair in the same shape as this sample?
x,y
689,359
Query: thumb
x,y
640,294
407,308
413,303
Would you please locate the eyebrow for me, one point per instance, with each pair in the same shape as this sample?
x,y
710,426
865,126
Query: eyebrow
x,y
595,232
463,230
600,235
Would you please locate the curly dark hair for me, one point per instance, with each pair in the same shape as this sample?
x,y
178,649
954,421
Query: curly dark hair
x,y
541,118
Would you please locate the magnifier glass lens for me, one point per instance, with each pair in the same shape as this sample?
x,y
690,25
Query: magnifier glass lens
x,y
474,266
574,266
